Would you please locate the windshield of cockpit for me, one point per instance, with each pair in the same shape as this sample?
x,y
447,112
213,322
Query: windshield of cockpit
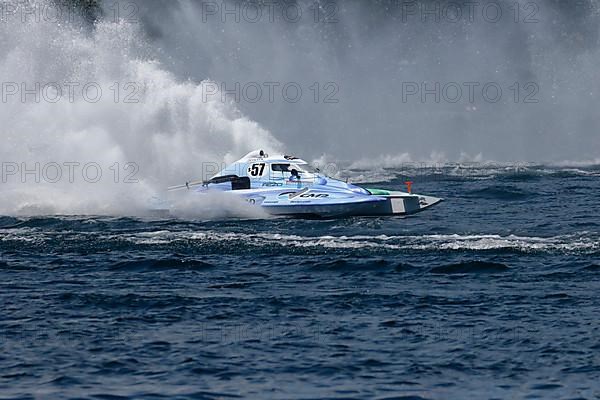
x,y
288,167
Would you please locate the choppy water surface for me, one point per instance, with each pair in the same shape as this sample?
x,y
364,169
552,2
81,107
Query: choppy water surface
x,y
492,294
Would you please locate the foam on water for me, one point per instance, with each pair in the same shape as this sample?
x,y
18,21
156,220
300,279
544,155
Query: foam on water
x,y
582,243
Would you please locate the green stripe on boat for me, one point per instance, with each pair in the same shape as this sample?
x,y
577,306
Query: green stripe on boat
x,y
379,192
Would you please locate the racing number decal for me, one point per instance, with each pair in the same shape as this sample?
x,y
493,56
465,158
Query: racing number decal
x,y
256,169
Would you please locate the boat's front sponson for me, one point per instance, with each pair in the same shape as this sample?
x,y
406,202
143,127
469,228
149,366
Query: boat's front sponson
x,y
401,203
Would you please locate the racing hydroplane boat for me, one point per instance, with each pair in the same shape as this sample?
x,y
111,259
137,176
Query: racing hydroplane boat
x,y
287,185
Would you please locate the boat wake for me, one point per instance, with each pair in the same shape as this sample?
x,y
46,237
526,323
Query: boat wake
x,y
585,243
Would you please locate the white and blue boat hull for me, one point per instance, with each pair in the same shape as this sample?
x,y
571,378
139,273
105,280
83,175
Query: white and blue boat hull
x,y
284,185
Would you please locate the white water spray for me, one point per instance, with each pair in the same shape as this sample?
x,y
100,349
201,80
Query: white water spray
x,y
91,124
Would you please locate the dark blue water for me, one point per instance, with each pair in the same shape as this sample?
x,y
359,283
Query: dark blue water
x,y
493,294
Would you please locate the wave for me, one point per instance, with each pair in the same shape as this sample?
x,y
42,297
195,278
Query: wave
x,y
8,222
443,172
241,242
151,265
471,267
350,265
122,301
592,268
500,192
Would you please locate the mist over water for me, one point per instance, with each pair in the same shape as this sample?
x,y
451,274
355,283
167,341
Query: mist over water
x,y
371,49
137,91
92,123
